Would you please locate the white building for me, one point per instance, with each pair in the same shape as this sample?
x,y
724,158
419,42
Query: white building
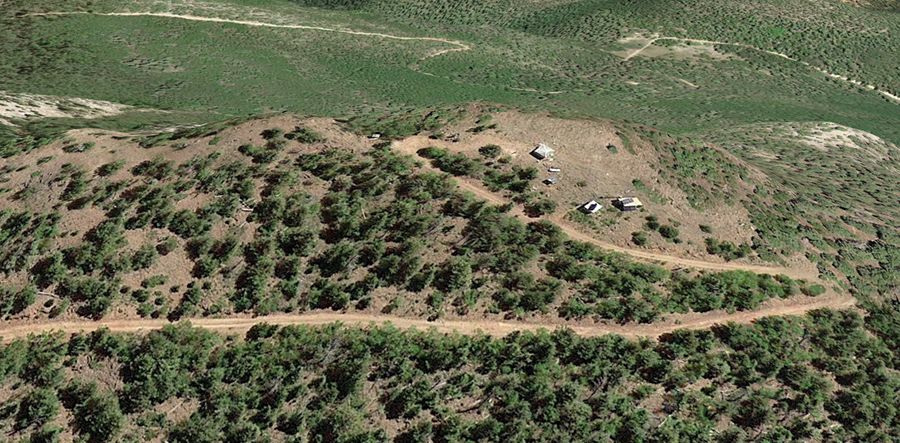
x,y
591,207
629,203
542,151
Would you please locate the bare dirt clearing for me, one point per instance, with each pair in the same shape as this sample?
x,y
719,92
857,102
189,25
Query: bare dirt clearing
x,y
707,47
826,136
26,106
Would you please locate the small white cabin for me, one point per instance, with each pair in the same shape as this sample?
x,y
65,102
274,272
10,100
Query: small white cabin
x,y
591,207
542,151
629,203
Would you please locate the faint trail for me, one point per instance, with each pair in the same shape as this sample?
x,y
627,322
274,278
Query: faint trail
x,y
459,46
411,145
642,48
775,53
798,306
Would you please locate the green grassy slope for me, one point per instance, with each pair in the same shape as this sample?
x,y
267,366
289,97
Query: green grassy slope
x,y
550,56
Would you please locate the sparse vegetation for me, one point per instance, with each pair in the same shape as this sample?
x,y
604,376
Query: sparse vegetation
x,y
360,226
193,218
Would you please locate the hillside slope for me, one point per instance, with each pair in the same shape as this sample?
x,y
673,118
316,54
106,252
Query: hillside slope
x,y
701,66
283,214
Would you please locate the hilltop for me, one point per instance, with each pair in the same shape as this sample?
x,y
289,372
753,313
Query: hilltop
x,y
284,214
320,221
278,227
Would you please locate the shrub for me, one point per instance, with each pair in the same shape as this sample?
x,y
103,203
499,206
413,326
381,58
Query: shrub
x,y
539,207
668,231
304,135
78,147
489,151
456,164
144,257
813,290
521,291
166,246
153,281
158,168
110,168
187,224
261,155
273,133
639,238
727,250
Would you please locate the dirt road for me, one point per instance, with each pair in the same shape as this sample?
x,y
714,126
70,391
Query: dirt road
x,y
412,144
796,306
458,46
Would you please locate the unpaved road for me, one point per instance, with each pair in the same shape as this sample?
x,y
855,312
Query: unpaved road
x,y
412,144
795,306
459,46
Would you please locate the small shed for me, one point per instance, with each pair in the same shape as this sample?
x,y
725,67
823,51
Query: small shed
x,y
591,207
628,203
551,180
375,136
553,169
542,151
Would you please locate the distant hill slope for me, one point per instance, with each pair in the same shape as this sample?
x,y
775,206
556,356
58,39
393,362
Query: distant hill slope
x,y
684,67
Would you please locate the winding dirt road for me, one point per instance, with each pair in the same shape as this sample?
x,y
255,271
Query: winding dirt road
x,y
794,306
411,145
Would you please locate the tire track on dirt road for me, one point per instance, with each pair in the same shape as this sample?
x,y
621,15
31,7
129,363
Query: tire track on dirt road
x,y
797,306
